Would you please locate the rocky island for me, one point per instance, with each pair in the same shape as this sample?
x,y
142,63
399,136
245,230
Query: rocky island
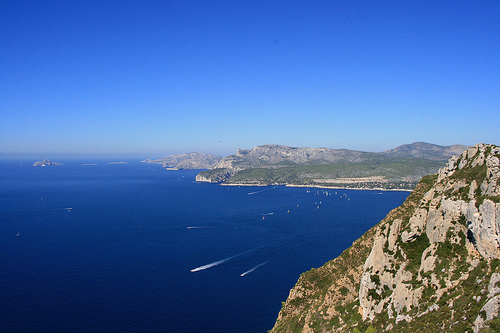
x,y
431,265
45,162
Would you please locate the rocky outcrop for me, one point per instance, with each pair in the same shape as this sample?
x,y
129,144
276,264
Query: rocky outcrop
x,y
45,163
214,176
432,264
187,161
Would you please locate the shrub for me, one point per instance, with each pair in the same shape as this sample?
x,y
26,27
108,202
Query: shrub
x,y
414,250
376,279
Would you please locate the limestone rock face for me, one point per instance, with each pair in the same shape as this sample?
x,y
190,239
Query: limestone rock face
x,y
436,256
215,176
484,228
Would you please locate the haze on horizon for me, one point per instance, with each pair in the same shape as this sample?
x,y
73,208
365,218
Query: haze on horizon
x,y
155,78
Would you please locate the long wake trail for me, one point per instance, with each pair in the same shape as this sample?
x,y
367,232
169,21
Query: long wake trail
x,y
216,263
30,214
254,268
267,189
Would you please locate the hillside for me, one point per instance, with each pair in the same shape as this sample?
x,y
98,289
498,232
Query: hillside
x,y
400,168
187,161
432,264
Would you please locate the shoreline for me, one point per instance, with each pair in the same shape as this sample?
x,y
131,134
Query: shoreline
x,y
237,184
321,186
353,188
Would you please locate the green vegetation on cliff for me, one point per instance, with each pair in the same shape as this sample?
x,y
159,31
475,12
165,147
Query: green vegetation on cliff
x,y
330,291
432,264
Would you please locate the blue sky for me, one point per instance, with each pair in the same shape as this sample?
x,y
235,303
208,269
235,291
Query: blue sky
x,y
153,78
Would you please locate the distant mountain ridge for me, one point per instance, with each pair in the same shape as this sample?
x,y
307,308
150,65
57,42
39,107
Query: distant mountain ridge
x,y
425,150
400,167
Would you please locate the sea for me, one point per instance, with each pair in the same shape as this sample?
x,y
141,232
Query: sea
x,y
90,246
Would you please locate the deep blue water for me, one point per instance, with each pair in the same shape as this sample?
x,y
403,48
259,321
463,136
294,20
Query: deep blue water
x,y
111,247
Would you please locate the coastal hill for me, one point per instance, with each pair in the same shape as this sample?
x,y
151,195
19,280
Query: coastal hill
x,y
425,150
431,265
45,162
399,168
187,161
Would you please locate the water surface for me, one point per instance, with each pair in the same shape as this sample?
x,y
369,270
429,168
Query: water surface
x,y
133,247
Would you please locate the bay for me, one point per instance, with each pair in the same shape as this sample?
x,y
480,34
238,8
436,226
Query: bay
x,y
133,247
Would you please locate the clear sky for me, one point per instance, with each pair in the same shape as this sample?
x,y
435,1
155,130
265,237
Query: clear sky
x,y
153,78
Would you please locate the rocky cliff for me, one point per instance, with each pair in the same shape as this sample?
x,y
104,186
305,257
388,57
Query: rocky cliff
x,y
432,264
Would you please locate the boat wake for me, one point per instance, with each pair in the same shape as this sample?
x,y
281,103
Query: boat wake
x,y
216,263
267,189
198,227
30,214
254,268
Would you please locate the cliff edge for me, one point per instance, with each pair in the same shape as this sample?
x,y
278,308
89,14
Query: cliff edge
x,y
432,264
